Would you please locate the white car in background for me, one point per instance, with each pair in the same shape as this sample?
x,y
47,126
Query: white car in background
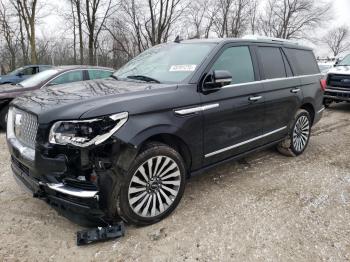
x,y
325,67
338,83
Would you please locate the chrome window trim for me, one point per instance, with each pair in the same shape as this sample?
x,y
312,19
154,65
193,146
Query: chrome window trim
x,y
94,69
187,111
245,142
269,80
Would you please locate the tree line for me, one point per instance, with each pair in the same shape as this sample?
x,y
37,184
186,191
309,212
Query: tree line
x,y
111,32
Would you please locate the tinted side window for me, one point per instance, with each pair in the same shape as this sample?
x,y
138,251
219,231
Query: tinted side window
x,y
303,61
29,71
238,62
43,68
69,77
99,74
272,62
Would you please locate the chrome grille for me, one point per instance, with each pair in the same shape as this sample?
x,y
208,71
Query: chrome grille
x,y
25,127
342,81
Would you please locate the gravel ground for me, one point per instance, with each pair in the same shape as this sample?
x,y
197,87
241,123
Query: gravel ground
x,y
264,207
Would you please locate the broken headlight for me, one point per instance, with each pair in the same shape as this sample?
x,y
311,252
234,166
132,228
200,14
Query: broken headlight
x,y
83,133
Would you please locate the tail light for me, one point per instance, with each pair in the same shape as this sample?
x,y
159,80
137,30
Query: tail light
x,y
323,84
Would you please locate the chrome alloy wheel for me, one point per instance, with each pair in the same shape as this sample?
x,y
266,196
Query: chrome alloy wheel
x,y
154,186
301,133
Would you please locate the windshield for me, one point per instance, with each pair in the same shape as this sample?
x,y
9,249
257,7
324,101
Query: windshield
x,y
38,78
345,61
167,63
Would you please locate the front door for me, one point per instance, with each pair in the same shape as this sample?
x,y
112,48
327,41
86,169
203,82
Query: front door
x,y
233,115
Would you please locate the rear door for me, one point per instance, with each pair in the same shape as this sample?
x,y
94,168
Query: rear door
x,y
282,91
306,68
233,115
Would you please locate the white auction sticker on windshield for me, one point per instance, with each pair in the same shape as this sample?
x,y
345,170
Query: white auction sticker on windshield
x,y
182,68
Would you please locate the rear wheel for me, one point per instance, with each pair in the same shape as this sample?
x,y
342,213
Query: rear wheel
x,y
3,117
153,187
299,135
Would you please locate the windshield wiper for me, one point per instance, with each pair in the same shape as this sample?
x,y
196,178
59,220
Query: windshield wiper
x,y
143,78
113,76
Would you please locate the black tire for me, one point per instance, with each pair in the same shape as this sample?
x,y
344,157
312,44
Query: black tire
x,y
3,117
297,140
152,152
327,102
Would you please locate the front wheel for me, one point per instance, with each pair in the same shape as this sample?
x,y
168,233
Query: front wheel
x,y
299,135
153,187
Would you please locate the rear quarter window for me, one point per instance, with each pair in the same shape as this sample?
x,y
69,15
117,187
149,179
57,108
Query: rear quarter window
x,y
99,74
272,62
303,61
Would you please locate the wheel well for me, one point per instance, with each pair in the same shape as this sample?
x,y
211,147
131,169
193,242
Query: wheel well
x,y
311,110
176,143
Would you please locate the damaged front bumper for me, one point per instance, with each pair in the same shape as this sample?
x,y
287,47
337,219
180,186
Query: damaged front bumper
x,y
81,182
80,205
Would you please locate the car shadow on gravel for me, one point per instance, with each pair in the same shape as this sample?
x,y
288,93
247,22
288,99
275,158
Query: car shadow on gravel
x,y
340,107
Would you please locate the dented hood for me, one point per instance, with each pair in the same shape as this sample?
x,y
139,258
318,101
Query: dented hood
x,y
72,101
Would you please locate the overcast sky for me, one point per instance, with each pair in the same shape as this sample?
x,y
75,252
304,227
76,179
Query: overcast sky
x,y
54,24
342,11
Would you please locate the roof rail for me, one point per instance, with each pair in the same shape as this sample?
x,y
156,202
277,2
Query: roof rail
x,y
267,38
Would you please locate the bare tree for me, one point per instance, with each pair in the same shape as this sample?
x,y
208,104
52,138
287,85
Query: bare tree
x,y
27,10
152,22
233,19
9,33
97,13
163,14
337,40
200,16
123,40
74,23
291,18
253,16
77,4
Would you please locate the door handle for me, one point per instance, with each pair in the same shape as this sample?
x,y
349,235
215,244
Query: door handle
x,y
255,98
296,90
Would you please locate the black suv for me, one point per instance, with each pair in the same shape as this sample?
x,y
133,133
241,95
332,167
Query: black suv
x,y
123,147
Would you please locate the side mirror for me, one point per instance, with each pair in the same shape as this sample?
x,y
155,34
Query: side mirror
x,y
20,74
218,79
